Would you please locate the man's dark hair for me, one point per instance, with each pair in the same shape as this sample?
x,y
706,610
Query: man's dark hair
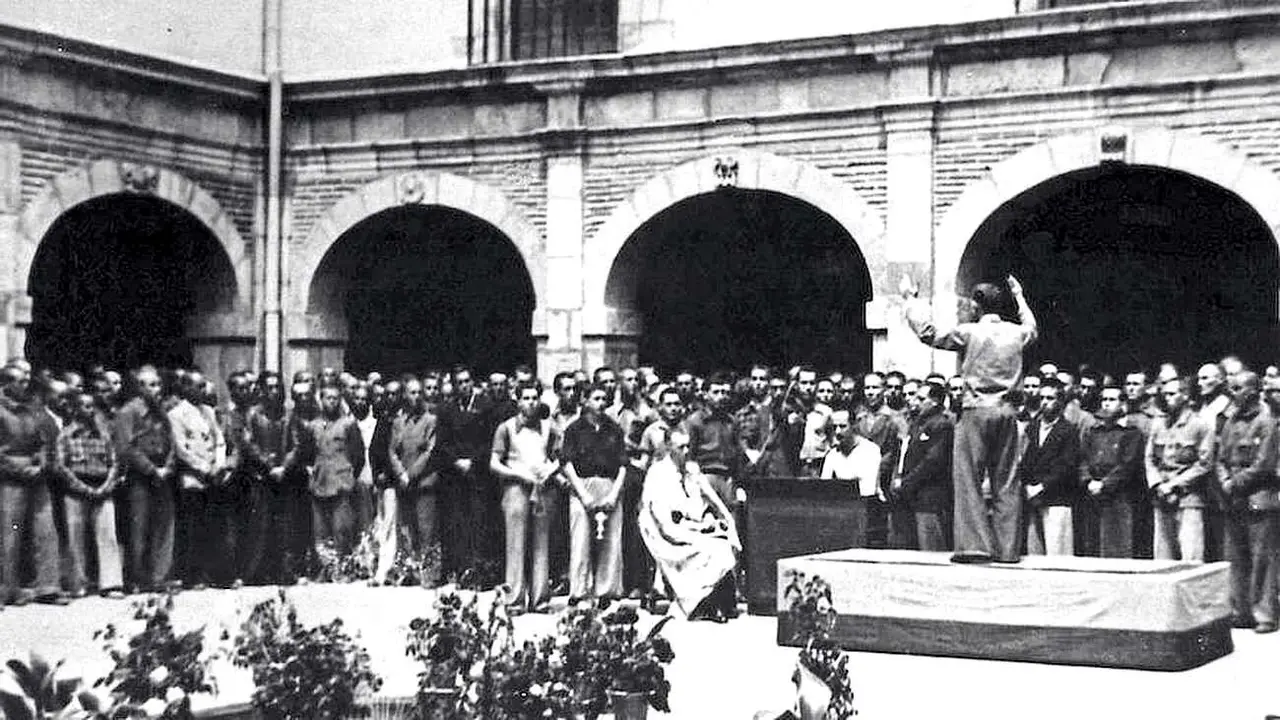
x,y
527,385
987,297
560,378
895,375
595,374
936,392
720,377
1051,382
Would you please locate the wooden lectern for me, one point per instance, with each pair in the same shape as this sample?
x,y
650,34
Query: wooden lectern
x,y
787,517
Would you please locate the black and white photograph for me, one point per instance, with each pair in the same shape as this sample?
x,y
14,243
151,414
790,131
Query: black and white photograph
x,y
627,359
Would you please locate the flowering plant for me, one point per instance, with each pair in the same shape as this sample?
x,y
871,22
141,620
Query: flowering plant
x,y
522,682
156,670
598,652
811,611
303,673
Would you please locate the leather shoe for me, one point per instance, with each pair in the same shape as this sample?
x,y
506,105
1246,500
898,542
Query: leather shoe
x,y
54,599
1265,627
1243,622
967,558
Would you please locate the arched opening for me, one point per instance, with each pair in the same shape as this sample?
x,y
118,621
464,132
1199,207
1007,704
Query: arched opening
x,y
1131,266
427,286
735,275
117,278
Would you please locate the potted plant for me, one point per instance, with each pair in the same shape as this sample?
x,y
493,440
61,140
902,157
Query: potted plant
x,y
521,683
821,676
156,670
449,647
303,673
608,665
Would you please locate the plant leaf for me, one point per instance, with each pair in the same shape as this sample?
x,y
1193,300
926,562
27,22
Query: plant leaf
x,y
15,703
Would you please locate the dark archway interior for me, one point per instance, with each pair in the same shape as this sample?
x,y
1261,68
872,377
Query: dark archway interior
x,y
1128,267
426,287
115,280
735,276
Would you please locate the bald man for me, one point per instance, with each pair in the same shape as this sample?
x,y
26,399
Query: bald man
x,y
143,439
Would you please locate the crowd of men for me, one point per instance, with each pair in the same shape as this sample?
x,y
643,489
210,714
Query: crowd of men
x,y
121,484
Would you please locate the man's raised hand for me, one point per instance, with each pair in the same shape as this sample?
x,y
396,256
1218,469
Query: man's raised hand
x,y
1015,287
907,287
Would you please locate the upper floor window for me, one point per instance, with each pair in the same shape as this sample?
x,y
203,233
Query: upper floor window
x,y
502,30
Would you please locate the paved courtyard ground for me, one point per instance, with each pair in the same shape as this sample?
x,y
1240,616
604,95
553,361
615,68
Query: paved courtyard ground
x,y
727,671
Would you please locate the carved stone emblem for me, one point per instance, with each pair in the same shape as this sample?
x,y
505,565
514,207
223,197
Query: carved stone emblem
x,y
139,178
412,187
726,172
1113,145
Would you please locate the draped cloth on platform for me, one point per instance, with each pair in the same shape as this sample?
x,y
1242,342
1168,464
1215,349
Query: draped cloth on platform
x,y
691,548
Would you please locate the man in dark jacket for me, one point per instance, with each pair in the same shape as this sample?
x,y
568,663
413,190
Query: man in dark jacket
x,y
416,459
924,488
1110,461
262,459
1049,475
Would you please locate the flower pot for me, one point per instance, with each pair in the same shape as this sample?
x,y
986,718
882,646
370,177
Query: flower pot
x,y
629,705
438,703
813,695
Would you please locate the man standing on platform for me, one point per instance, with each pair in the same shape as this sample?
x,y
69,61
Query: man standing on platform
x,y
1110,471
924,489
1179,460
986,433
1247,487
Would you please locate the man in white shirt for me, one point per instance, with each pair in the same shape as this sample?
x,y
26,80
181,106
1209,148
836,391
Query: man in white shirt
x,y
855,459
364,496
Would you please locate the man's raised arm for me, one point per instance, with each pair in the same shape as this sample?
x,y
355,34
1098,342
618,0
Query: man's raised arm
x,y
920,320
1026,318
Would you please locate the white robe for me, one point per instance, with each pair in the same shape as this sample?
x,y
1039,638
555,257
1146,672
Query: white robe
x,y
692,550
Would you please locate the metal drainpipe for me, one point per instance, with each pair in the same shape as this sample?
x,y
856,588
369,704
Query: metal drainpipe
x,y
273,330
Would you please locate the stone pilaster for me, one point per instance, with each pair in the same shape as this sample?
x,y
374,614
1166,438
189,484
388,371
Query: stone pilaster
x,y
15,307
558,330
909,143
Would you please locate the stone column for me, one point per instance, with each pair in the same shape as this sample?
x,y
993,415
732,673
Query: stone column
x,y
15,306
909,132
558,322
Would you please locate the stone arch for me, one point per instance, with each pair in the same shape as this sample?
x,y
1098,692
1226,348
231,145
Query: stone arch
x,y
1181,150
420,187
756,170
110,177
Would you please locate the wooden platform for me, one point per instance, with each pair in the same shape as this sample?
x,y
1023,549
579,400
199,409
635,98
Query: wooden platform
x,y
1144,614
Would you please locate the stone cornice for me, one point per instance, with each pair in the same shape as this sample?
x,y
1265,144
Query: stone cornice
x,y
1016,35
21,45
866,118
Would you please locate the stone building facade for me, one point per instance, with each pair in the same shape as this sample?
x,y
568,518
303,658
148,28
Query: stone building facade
x,y
918,143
